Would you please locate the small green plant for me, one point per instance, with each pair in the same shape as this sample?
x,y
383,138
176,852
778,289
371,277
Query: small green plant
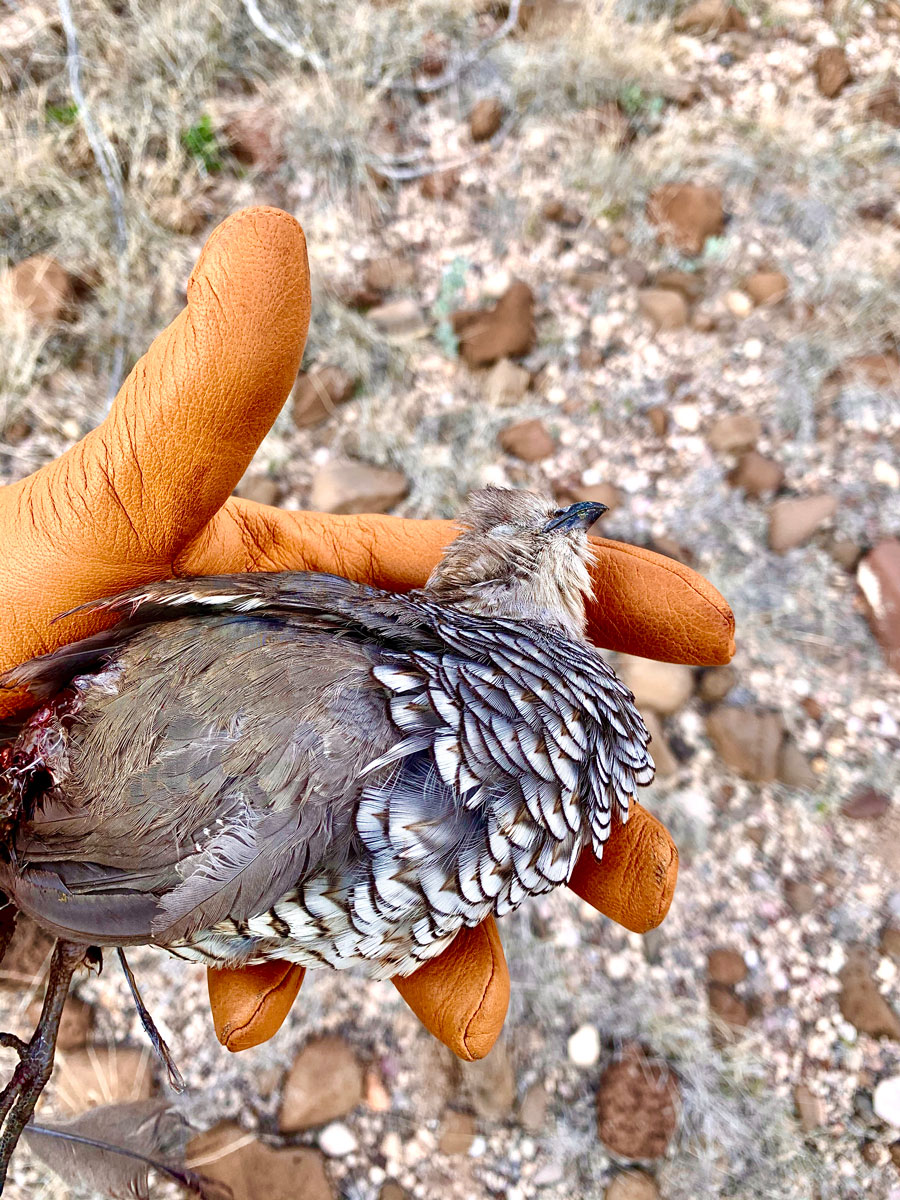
x,y
202,142
635,102
61,114
452,283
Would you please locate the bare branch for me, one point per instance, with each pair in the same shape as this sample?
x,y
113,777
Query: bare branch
x,y
468,61
294,49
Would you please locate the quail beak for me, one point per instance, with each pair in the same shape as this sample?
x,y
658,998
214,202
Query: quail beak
x,y
577,516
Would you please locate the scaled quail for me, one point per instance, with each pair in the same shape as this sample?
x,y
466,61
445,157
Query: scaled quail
x,y
300,767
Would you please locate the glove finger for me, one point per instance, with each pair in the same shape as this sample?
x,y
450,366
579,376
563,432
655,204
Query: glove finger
x,y
647,604
119,506
461,997
635,881
644,603
249,1004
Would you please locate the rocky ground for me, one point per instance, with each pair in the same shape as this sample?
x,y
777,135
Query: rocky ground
x,y
639,252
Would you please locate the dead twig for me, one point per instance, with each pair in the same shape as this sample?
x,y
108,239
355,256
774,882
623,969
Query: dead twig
x,y
35,1065
454,73
291,47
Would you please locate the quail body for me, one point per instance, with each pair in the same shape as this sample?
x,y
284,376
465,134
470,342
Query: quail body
x,y
301,767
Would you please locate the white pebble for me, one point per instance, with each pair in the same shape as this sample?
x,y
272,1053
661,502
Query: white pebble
x,y
618,966
753,348
496,284
886,473
738,304
584,1046
886,1100
337,1140
478,1147
686,416
887,971
835,959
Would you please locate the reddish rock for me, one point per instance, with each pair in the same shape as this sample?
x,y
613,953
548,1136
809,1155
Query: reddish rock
x,y
433,62
860,1001
726,966
889,943
388,273
664,309
456,1133
688,283
254,136
845,553
632,1185
261,489
533,1108
716,683
356,488
41,287
747,740
794,769
489,1084
800,896
637,1105
832,71
885,105
664,760
507,383
440,185
766,287
75,1027
255,1171
317,394
597,493
880,371
725,1004
529,440
659,420
28,952
686,215
878,577
866,804
793,521
561,213
505,331
485,119
711,16
636,274
104,1075
399,319
756,475
664,687
734,433
810,1108
325,1082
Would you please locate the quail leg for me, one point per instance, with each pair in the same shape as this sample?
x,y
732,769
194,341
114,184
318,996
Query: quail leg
x,y
21,1094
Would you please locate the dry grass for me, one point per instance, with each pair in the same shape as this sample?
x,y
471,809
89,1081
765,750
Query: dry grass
x,y
162,78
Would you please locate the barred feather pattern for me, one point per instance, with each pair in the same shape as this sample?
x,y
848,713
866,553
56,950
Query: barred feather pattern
x,y
518,747
501,748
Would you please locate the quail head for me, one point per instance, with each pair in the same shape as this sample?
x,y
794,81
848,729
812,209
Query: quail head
x,y
300,767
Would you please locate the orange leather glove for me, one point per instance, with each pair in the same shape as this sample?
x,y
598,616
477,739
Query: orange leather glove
x,y
147,495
